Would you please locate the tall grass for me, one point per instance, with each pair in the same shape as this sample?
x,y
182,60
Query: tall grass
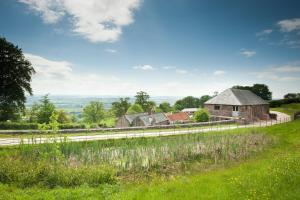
x,y
97,162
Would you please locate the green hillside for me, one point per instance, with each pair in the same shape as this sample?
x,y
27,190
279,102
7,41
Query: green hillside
x,y
289,109
273,174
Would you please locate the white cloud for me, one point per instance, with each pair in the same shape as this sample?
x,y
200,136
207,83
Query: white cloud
x,y
168,67
287,68
144,67
289,25
49,69
95,20
219,72
59,77
181,71
247,53
111,50
267,75
264,32
289,72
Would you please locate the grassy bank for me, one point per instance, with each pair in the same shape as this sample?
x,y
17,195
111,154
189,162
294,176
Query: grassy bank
x,y
261,163
289,109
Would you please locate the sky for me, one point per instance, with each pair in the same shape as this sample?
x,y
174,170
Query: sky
x,y
166,48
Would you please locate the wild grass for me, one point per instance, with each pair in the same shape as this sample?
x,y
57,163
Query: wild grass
x,y
289,109
97,162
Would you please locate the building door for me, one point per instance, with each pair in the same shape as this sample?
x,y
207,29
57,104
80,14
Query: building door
x,y
235,111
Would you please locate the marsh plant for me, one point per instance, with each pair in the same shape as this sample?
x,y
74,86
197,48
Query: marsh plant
x,y
74,163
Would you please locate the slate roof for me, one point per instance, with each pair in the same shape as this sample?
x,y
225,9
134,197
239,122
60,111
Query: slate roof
x,y
147,119
237,97
131,117
180,116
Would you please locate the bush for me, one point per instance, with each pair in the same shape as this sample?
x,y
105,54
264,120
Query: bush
x,y
201,115
278,103
17,126
34,126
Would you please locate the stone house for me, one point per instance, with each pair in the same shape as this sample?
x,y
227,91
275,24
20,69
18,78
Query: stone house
x,y
142,119
239,104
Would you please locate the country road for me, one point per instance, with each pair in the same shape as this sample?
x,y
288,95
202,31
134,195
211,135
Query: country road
x,y
282,118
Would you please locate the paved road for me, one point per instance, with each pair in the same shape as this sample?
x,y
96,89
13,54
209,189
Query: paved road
x,y
282,118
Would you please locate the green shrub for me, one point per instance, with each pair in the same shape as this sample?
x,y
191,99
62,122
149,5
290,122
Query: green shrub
x,y
34,126
201,115
17,126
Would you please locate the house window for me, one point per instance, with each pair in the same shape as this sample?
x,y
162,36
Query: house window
x,y
235,108
217,108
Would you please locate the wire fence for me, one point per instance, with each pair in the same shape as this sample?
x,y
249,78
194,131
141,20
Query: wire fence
x,y
80,135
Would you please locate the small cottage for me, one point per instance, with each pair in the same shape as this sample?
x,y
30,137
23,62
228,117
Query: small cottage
x,y
142,119
236,103
180,117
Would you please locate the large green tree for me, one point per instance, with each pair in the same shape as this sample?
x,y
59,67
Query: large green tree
x,y
120,107
45,110
203,99
292,96
165,107
15,77
93,112
260,90
187,102
134,109
142,98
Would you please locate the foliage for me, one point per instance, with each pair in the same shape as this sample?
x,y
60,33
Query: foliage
x,y
272,173
15,78
63,117
53,121
93,112
260,90
120,107
292,96
32,113
289,109
55,164
46,108
201,115
18,126
278,103
187,102
34,126
135,108
151,106
203,99
165,107
142,99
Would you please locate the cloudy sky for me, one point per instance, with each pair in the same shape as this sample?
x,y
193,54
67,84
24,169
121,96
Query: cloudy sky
x,y
167,48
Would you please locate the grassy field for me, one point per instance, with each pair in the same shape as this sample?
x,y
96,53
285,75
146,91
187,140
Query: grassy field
x,y
289,109
261,163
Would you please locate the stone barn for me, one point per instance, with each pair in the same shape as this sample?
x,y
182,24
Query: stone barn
x,y
240,104
142,119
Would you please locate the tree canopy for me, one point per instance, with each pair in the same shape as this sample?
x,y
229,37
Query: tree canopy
x,y
260,90
45,110
292,96
135,108
93,112
15,78
120,107
187,102
201,115
165,107
142,99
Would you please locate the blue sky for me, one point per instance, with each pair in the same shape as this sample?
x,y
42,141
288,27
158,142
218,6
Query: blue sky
x,y
167,48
